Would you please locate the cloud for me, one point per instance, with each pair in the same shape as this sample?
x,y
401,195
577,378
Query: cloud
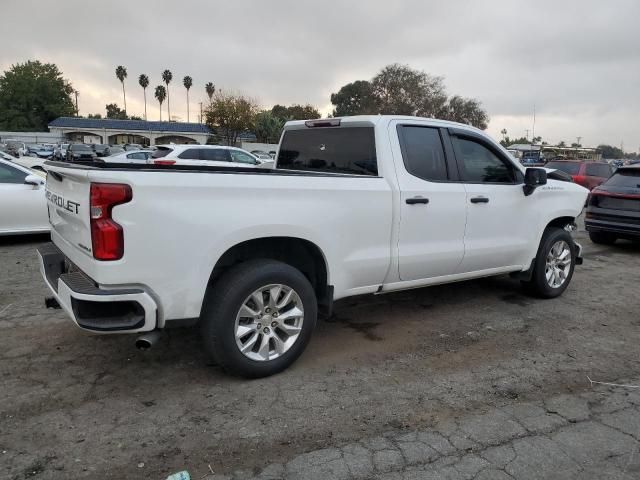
x,y
577,61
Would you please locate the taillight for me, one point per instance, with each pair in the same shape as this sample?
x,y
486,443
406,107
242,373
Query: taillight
x,y
107,236
164,162
580,179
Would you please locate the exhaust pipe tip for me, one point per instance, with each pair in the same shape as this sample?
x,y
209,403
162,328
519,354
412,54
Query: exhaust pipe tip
x,y
148,340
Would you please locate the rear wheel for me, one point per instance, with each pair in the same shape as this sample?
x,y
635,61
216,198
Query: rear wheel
x,y
553,265
602,238
258,318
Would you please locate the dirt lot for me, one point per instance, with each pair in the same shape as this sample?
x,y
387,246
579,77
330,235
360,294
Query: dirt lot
x,y
77,406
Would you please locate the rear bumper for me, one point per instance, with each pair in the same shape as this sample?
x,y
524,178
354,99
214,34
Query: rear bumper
x,y
626,230
92,308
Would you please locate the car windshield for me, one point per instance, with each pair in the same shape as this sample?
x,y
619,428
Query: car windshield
x,y
572,168
628,178
161,152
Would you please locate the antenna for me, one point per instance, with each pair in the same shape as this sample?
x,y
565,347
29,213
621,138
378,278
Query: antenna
x,y
533,128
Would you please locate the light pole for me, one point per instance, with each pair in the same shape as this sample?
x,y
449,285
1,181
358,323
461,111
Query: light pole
x,y
77,111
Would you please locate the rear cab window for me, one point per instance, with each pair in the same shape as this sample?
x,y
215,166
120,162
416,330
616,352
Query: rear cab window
x,y
626,178
161,152
336,150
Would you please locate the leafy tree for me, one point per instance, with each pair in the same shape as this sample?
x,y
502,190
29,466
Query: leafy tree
x,y
506,141
562,144
465,110
609,151
295,112
95,115
113,111
32,94
121,74
355,98
187,82
400,90
403,91
143,81
161,95
576,145
231,115
210,89
167,76
268,127
537,139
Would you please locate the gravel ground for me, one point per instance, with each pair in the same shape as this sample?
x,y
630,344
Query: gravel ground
x,y
471,380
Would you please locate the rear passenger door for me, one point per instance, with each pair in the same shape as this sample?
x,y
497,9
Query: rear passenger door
x,y
432,203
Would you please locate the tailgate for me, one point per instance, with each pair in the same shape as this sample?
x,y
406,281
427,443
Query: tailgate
x,y
67,192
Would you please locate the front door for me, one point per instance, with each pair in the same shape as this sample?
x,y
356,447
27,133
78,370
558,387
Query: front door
x,y
432,205
499,224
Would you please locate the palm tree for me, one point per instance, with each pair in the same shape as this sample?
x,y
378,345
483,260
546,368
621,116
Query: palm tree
x,y
143,80
187,82
121,73
167,76
211,89
161,94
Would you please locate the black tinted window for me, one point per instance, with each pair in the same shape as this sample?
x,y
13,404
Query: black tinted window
x,y
423,153
215,154
161,152
11,175
598,170
625,178
190,154
572,168
335,150
479,164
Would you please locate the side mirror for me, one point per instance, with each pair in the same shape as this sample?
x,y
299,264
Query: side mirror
x,y
34,180
534,178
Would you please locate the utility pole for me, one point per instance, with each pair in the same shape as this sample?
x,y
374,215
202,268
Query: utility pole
x,y
578,140
527,132
533,128
77,111
200,112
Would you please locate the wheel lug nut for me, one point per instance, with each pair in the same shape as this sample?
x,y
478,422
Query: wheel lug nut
x,y
274,324
259,326
266,330
275,315
267,310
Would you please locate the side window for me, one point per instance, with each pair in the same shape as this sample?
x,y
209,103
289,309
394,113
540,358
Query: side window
x,y
241,157
190,154
423,152
215,154
478,164
137,156
598,170
11,175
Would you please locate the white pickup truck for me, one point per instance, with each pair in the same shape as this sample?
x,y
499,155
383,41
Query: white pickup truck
x,y
357,205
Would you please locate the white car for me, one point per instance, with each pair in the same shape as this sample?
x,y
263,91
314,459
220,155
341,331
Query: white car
x,y
136,156
23,205
26,161
355,205
212,155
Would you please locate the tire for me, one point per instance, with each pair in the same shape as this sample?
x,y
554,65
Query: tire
x,y
602,238
539,285
221,321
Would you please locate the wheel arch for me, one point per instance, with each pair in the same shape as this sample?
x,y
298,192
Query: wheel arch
x,y
300,253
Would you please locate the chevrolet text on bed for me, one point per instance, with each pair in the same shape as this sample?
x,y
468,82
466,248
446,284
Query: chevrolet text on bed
x,y
355,205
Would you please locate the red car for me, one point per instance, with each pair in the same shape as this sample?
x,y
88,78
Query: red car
x,y
587,174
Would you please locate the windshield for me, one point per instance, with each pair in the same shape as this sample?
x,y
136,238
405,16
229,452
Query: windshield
x,y
625,178
80,148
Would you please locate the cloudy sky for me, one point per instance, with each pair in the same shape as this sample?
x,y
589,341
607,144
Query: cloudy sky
x,y
578,62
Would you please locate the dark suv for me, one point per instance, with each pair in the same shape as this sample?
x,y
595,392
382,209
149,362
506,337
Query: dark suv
x,y
613,208
587,174
80,151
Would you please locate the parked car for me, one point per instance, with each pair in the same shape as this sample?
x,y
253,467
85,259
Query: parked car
x,y
101,149
262,155
23,206
613,208
140,156
214,155
27,161
80,151
44,151
252,256
132,146
60,151
115,149
16,148
587,174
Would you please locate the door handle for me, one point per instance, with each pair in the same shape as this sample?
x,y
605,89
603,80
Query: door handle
x,y
479,200
416,200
